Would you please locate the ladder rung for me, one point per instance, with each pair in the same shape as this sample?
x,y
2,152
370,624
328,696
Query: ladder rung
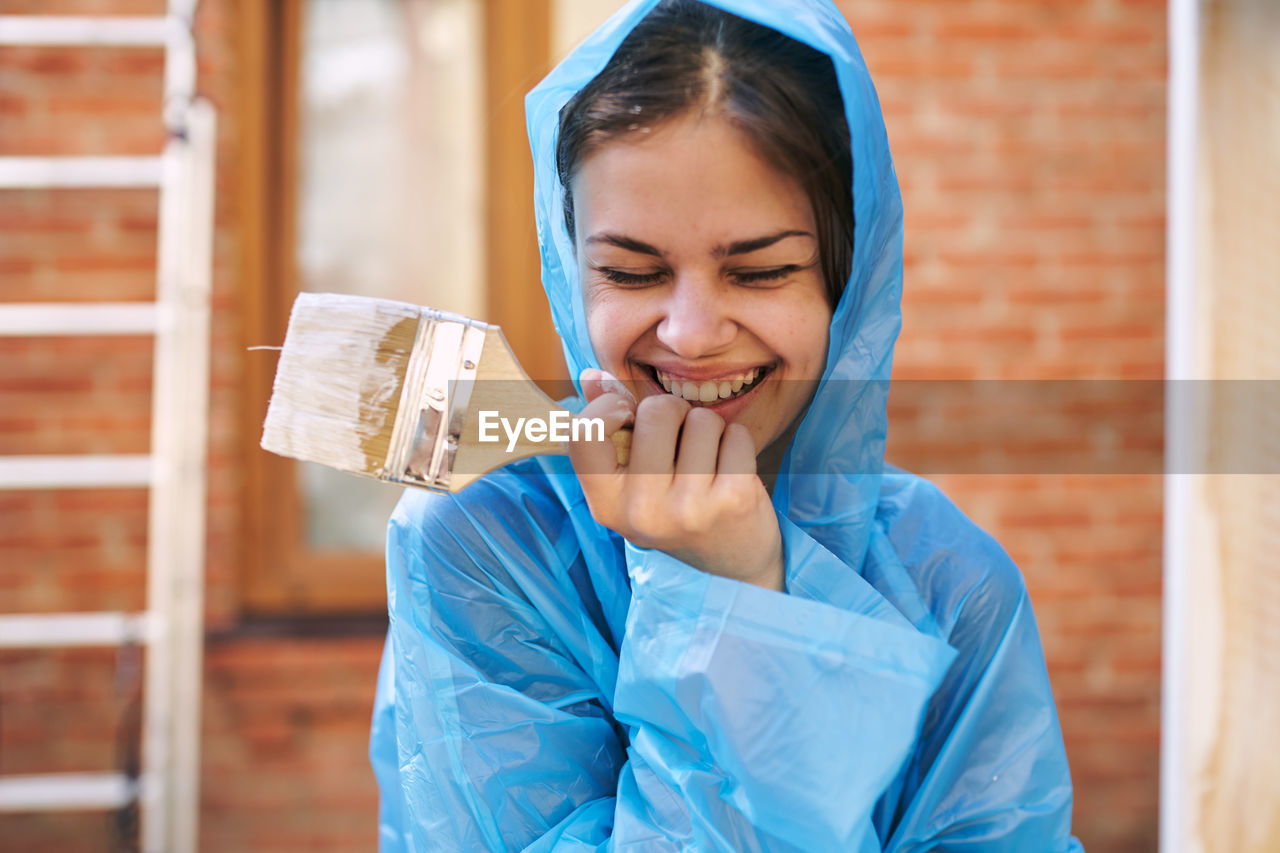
x,y
30,319
114,30
90,172
75,472
66,792
54,630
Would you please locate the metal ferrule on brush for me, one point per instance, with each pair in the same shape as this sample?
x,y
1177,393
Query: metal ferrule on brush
x,y
438,381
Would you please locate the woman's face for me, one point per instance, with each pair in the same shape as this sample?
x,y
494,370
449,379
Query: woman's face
x,y
700,273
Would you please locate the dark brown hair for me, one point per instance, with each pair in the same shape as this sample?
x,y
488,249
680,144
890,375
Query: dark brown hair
x,y
781,94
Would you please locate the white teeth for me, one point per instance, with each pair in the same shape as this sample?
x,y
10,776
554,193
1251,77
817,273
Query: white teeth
x,y
707,390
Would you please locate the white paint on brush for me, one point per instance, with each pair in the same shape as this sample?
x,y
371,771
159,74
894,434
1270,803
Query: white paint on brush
x,y
337,379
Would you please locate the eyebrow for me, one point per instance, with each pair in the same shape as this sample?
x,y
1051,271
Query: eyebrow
x,y
740,247
623,242
755,244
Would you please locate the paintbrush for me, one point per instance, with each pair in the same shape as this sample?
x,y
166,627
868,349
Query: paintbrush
x,y
409,395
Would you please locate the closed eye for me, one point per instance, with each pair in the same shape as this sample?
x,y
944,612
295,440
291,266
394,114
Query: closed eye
x,y
631,279
745,277
749,277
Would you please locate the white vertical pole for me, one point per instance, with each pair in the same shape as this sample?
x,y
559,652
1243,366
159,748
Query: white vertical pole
x,y
179,65
1181,366
187,607
163,512
171,721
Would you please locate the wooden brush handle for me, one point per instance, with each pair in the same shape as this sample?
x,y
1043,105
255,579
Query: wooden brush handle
x,y
504,388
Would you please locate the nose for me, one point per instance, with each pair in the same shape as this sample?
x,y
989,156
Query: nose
x,y
697,318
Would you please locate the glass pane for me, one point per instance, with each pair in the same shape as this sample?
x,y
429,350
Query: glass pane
x,y
389,188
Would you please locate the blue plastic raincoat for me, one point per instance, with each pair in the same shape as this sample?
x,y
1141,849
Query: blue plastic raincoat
x,y
547,686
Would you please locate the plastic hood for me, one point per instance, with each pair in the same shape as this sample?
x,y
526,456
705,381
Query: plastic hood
x,y
830,479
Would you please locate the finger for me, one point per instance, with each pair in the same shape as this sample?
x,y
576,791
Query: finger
x,y
592,382
699,443
657,428
736,484
594,452
596,382
737,452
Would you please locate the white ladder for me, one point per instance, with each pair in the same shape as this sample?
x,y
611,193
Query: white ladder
x,y
171,628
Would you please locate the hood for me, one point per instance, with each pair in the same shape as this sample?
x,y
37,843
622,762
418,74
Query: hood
x,y
829,483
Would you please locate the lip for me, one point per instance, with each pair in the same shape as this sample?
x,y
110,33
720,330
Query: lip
x,y
728,409
701,374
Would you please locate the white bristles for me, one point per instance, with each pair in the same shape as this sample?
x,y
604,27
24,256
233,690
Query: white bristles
x,y
391,391
339,381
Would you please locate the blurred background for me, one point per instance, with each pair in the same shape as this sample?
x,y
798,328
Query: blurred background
x,y
377,146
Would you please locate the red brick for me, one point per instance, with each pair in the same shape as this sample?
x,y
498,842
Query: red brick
x,y
923,67
994,30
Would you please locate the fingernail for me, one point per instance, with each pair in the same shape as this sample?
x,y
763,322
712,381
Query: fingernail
x,y
614,385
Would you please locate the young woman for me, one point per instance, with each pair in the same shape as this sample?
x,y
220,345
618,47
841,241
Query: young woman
x,y
753,637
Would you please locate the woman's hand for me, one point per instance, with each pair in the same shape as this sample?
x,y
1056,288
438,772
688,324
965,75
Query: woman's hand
x,y
690,490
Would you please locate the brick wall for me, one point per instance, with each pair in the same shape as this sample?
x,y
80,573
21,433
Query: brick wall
x,y
285,719
1029,139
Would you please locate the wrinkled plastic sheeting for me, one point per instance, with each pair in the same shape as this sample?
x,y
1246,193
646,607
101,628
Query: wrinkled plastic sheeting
x,y
547,686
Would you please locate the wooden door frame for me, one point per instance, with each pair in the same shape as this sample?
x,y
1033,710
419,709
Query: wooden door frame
x,y
278,573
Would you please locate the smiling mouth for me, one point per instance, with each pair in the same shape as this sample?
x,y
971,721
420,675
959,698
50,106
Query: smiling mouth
x,y
710,391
